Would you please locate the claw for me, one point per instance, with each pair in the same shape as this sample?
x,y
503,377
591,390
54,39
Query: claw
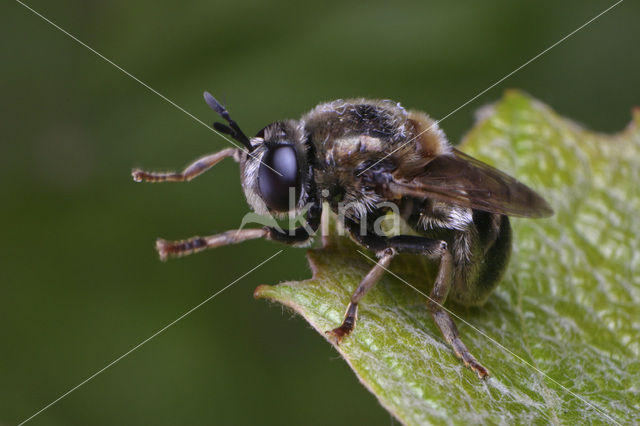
x,y
482,372
337,334
162,247
137,175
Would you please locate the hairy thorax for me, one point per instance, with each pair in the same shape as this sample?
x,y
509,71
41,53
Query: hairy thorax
x,y
358,141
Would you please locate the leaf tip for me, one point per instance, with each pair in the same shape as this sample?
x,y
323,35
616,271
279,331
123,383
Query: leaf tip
x,y
262,291
635,115
514,93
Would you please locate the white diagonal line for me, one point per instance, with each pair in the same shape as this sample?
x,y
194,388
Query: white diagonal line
x,y
146,340
76,39
495,84
500,345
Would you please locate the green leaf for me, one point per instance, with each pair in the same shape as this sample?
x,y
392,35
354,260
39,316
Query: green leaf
x,y
569,304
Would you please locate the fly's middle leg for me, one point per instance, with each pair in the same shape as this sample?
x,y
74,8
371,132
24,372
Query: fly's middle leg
x,y
365,285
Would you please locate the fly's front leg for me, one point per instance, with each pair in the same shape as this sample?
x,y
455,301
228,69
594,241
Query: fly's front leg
x,y
196,244
365,285
193,170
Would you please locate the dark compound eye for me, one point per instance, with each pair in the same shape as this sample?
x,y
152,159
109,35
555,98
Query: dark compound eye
x,y
274,187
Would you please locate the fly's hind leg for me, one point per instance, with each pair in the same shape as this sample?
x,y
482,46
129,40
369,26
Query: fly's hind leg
x,y
441,288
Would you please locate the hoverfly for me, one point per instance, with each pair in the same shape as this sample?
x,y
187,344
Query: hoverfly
x,y
365,152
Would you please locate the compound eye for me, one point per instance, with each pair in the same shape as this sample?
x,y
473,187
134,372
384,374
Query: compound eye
x,y
274,187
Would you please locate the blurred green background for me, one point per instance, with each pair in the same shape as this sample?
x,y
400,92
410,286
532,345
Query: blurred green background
x,y
80,283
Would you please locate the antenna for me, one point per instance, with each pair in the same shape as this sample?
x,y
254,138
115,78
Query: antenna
x,y
232,129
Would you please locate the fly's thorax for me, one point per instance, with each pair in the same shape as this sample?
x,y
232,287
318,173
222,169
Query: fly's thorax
x,y
332,121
